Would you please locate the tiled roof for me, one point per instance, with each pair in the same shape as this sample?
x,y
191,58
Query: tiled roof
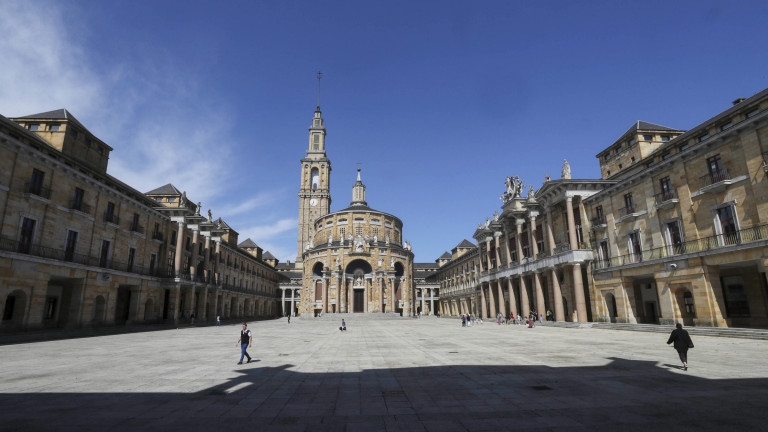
x,y
267,256
168,189
446,255
248,243
286,266
465,244
425,266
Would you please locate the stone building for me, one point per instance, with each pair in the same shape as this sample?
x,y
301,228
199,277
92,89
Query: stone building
x,y
674,230
353,260
681,231
457,280
79,247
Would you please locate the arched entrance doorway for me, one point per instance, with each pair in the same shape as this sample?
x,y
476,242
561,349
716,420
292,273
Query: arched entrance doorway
x,y
361,273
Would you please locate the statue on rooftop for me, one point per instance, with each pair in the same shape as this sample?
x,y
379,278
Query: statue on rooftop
x,y
566,171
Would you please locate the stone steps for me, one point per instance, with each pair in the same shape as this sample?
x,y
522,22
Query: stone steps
x,y
732,332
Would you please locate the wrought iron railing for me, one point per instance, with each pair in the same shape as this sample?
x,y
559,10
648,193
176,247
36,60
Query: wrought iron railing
x,y
624,211
69,256
80,206
136,228
598,220
37,189
111,218
665,196
714,177
692,246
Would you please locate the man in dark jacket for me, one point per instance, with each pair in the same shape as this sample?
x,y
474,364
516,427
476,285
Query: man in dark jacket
x,y
682,342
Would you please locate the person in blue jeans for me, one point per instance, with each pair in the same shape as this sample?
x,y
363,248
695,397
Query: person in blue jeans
x,y
245,341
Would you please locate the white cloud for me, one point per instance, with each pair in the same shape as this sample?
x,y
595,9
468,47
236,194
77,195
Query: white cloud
x,y
260,200
261,233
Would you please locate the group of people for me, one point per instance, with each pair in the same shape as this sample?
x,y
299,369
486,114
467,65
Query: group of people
x,y
529,321
468,320
680,338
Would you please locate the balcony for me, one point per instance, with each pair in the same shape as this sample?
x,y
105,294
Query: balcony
x,y
37,190
136,228
69,256
666,199
157,235
715,181
80,206
711,243
629,212
599,223
111,218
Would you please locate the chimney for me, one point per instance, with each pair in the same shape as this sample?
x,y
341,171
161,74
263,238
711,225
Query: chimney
x,y
739,100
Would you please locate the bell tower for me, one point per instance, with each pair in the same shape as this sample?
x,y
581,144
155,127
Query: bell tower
x,y
315,190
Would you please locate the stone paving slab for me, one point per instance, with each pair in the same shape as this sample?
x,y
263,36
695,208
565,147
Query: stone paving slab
x,y
395,375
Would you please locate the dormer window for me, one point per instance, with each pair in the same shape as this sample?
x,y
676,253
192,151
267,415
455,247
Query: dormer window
x,y
665,138
34,127
632,142
752,113
53,128
703,137
647,137
726,126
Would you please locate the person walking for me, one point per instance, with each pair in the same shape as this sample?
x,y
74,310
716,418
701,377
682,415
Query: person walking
x,y
245,341
343,325
289,318
682,342
218,320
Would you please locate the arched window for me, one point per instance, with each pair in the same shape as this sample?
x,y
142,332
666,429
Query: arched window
x,y
315,178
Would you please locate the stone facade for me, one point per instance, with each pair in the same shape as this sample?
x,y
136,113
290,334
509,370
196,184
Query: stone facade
x,y
80,248
673,231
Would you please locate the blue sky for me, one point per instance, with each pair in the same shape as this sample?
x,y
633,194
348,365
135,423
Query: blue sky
x,y
438,101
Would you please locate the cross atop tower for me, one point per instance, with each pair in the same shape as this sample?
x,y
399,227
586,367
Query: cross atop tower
x,y
319,77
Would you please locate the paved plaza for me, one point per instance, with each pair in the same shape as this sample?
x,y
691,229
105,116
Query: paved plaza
x,y
396,375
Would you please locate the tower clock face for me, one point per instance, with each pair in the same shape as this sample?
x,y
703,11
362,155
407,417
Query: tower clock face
x,y
313,202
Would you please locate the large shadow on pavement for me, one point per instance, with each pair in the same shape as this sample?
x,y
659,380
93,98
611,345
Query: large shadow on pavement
x,y
621,395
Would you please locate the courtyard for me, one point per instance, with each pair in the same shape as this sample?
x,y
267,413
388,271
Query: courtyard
x,y
400,375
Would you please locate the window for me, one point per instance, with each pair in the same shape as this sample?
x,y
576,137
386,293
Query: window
x,y
684,147
170,200
77,200
104,256
703,137
152,263
674,237
726,219
173,238
647,137
316,138
726,126
34,127
131,258
49,311
54,128
88,142
100,150
603,251
69,249
109,215
36,182
666,189
358,231
26,235
690,309
665,138
135,222
342,232
736,301
635,247
753,112
376,232
665,156
599,215
631,142
629,203
188,244
315,178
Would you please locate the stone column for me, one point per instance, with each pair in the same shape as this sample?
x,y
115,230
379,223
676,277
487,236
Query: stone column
x,y
293,302
506,246
525,307
578,294
488,252
501,297
179,250
217,257
571,225
491,301
422,300
558,295
391,301
431,301
496,236
519,224
207,259
349,293
550,233
283,302
325,294
512,301
540,303
216,303
195,247
204,315
482,302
